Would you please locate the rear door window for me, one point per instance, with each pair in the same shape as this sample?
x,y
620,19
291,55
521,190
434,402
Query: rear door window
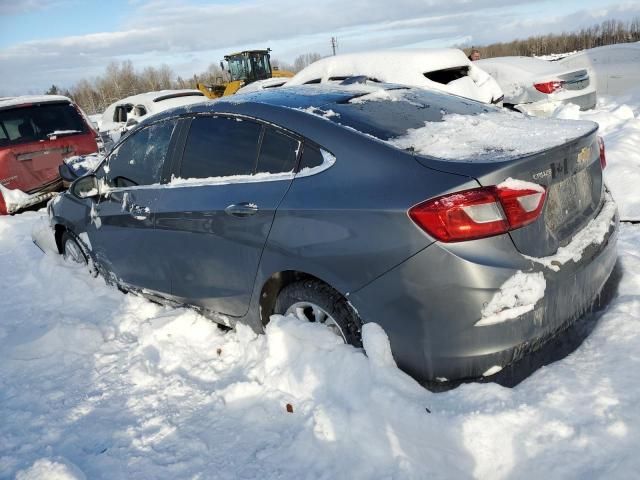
x,y
278,152
139,158
311,157
220,147
38,122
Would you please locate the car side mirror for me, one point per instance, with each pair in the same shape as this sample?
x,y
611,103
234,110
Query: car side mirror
x,y
85,187
66,173
131,122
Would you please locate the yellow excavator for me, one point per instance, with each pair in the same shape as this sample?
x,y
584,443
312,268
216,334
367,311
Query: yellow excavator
x,y
243,68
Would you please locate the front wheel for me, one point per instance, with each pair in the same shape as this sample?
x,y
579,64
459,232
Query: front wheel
x,y
71,250
314,301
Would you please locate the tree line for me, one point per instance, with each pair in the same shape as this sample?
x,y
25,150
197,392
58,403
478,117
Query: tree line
x,y
606,33
121,79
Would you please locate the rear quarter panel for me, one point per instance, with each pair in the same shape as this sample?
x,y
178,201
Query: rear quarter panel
x,y
349,224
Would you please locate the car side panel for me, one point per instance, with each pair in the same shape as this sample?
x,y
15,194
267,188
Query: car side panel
x,y
349,224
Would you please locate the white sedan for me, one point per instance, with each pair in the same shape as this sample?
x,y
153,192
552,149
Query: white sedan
x,y
128,112
538,87
447,70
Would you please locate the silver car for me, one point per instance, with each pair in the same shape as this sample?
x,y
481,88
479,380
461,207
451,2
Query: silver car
x,y
538,87
333,204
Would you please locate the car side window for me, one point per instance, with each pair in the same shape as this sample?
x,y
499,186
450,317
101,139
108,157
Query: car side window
x,y
311,157
220,147
278,152
139,158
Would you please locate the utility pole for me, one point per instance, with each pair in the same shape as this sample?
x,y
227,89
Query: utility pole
x,y
334,45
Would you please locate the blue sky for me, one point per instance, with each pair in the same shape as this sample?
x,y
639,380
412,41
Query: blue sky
x,y
62,41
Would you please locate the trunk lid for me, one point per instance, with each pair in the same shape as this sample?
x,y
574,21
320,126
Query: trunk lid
x,y
575,80
572,176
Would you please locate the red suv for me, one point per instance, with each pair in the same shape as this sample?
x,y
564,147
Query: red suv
x,y
36,134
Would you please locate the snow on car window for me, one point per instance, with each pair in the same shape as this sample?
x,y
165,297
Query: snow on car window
x,y
493,136
139,159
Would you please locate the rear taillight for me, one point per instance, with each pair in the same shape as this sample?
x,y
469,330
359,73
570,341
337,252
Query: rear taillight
x,y
603,157
549,87
478,213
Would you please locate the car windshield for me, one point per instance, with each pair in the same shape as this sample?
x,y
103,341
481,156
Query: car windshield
x,y
38,122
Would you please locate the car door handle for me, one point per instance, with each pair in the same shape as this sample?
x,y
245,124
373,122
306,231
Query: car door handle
x,y
244,209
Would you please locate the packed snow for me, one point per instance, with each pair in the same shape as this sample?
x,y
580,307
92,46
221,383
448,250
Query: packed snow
x,y
14,198
489,137
517,296
97,384
515,184
593,233
82,164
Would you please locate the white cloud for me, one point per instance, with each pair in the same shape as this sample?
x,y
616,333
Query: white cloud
x,y
16,7
190,36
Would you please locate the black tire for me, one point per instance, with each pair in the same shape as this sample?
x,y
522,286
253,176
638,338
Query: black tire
x,y
71,249
329,300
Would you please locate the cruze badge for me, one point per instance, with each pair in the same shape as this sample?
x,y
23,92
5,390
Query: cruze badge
x,y
543,174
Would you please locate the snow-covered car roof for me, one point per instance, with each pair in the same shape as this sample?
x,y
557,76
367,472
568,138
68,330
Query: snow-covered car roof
x,y
10,102
153,102
407,67
160,96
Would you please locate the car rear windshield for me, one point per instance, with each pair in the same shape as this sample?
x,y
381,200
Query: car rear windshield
x,y
39,122
448,75
387,114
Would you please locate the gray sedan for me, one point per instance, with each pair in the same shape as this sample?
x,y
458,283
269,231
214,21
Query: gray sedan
x,y
350,204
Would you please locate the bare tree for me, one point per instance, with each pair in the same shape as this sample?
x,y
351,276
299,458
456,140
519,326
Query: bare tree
x,y
305,60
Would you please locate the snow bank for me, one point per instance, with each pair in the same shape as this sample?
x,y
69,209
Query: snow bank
x,y
489,137
119,387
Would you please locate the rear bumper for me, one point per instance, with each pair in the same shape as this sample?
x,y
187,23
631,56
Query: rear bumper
x,y
586,101
430,304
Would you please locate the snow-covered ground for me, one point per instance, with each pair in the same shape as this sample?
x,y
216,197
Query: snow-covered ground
x,y
97,384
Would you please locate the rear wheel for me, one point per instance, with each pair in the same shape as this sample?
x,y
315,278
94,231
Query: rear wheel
x,y
314,301
71,250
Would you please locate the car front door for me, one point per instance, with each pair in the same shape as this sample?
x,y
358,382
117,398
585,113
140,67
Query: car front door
x,y
217,215
122,219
